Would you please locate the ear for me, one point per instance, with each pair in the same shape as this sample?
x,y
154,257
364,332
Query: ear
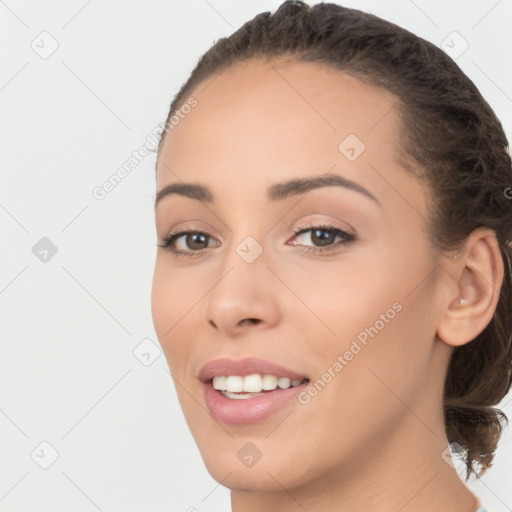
x,y
473,289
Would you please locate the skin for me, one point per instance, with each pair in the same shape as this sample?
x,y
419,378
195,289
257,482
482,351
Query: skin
x,y
373,438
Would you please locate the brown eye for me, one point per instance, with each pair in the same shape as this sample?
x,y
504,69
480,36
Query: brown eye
x,y
185,243
196,241
322,238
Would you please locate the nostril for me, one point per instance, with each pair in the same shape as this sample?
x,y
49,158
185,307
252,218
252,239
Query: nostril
x,y
252,320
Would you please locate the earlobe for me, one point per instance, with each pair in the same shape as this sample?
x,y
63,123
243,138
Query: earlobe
x,y
476,277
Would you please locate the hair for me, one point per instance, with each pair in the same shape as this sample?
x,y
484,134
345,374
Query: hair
x,y
452,139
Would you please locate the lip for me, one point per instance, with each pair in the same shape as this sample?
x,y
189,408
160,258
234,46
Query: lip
x,y
243,367
250,410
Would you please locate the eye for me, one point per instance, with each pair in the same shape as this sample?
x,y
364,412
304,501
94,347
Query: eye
x,y
323,236
186,243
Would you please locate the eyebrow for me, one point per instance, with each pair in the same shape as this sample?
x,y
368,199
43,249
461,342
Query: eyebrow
x,y
276,192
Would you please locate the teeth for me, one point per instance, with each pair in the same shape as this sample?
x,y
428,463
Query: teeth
x,y
269,382
219,383
254,383
234,383
284,383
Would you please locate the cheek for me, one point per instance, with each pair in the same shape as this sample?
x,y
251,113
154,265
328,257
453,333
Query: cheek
x,y
174,293
385,359
168,307
375,305
386,331
339,299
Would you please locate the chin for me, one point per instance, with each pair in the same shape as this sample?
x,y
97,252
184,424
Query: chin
x,y
249,480
268,474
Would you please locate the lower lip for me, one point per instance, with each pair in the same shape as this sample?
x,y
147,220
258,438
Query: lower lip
x,y
249,410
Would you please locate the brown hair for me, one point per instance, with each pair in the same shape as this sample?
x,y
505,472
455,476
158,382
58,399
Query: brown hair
x,y
453,139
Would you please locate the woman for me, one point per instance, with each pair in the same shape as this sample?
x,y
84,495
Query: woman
x,y
332,288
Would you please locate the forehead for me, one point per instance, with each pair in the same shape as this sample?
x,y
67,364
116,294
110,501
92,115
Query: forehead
x,y
258,117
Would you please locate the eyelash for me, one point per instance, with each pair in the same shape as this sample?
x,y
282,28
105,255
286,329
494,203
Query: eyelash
x,y
346,239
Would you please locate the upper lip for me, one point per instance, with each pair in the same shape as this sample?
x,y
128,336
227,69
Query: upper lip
x,y
243,367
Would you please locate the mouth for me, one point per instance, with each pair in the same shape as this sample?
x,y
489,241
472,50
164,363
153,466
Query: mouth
x,y
244,408
243,392
236,387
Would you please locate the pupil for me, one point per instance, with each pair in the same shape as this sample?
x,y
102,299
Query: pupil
x,y
323,240
192,240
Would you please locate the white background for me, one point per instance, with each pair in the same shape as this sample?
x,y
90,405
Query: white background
x,y
69,326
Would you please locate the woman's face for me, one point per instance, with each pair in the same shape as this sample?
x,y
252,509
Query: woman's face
x,y
350,306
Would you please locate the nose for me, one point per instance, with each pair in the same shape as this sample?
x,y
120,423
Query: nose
x,y
244,297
